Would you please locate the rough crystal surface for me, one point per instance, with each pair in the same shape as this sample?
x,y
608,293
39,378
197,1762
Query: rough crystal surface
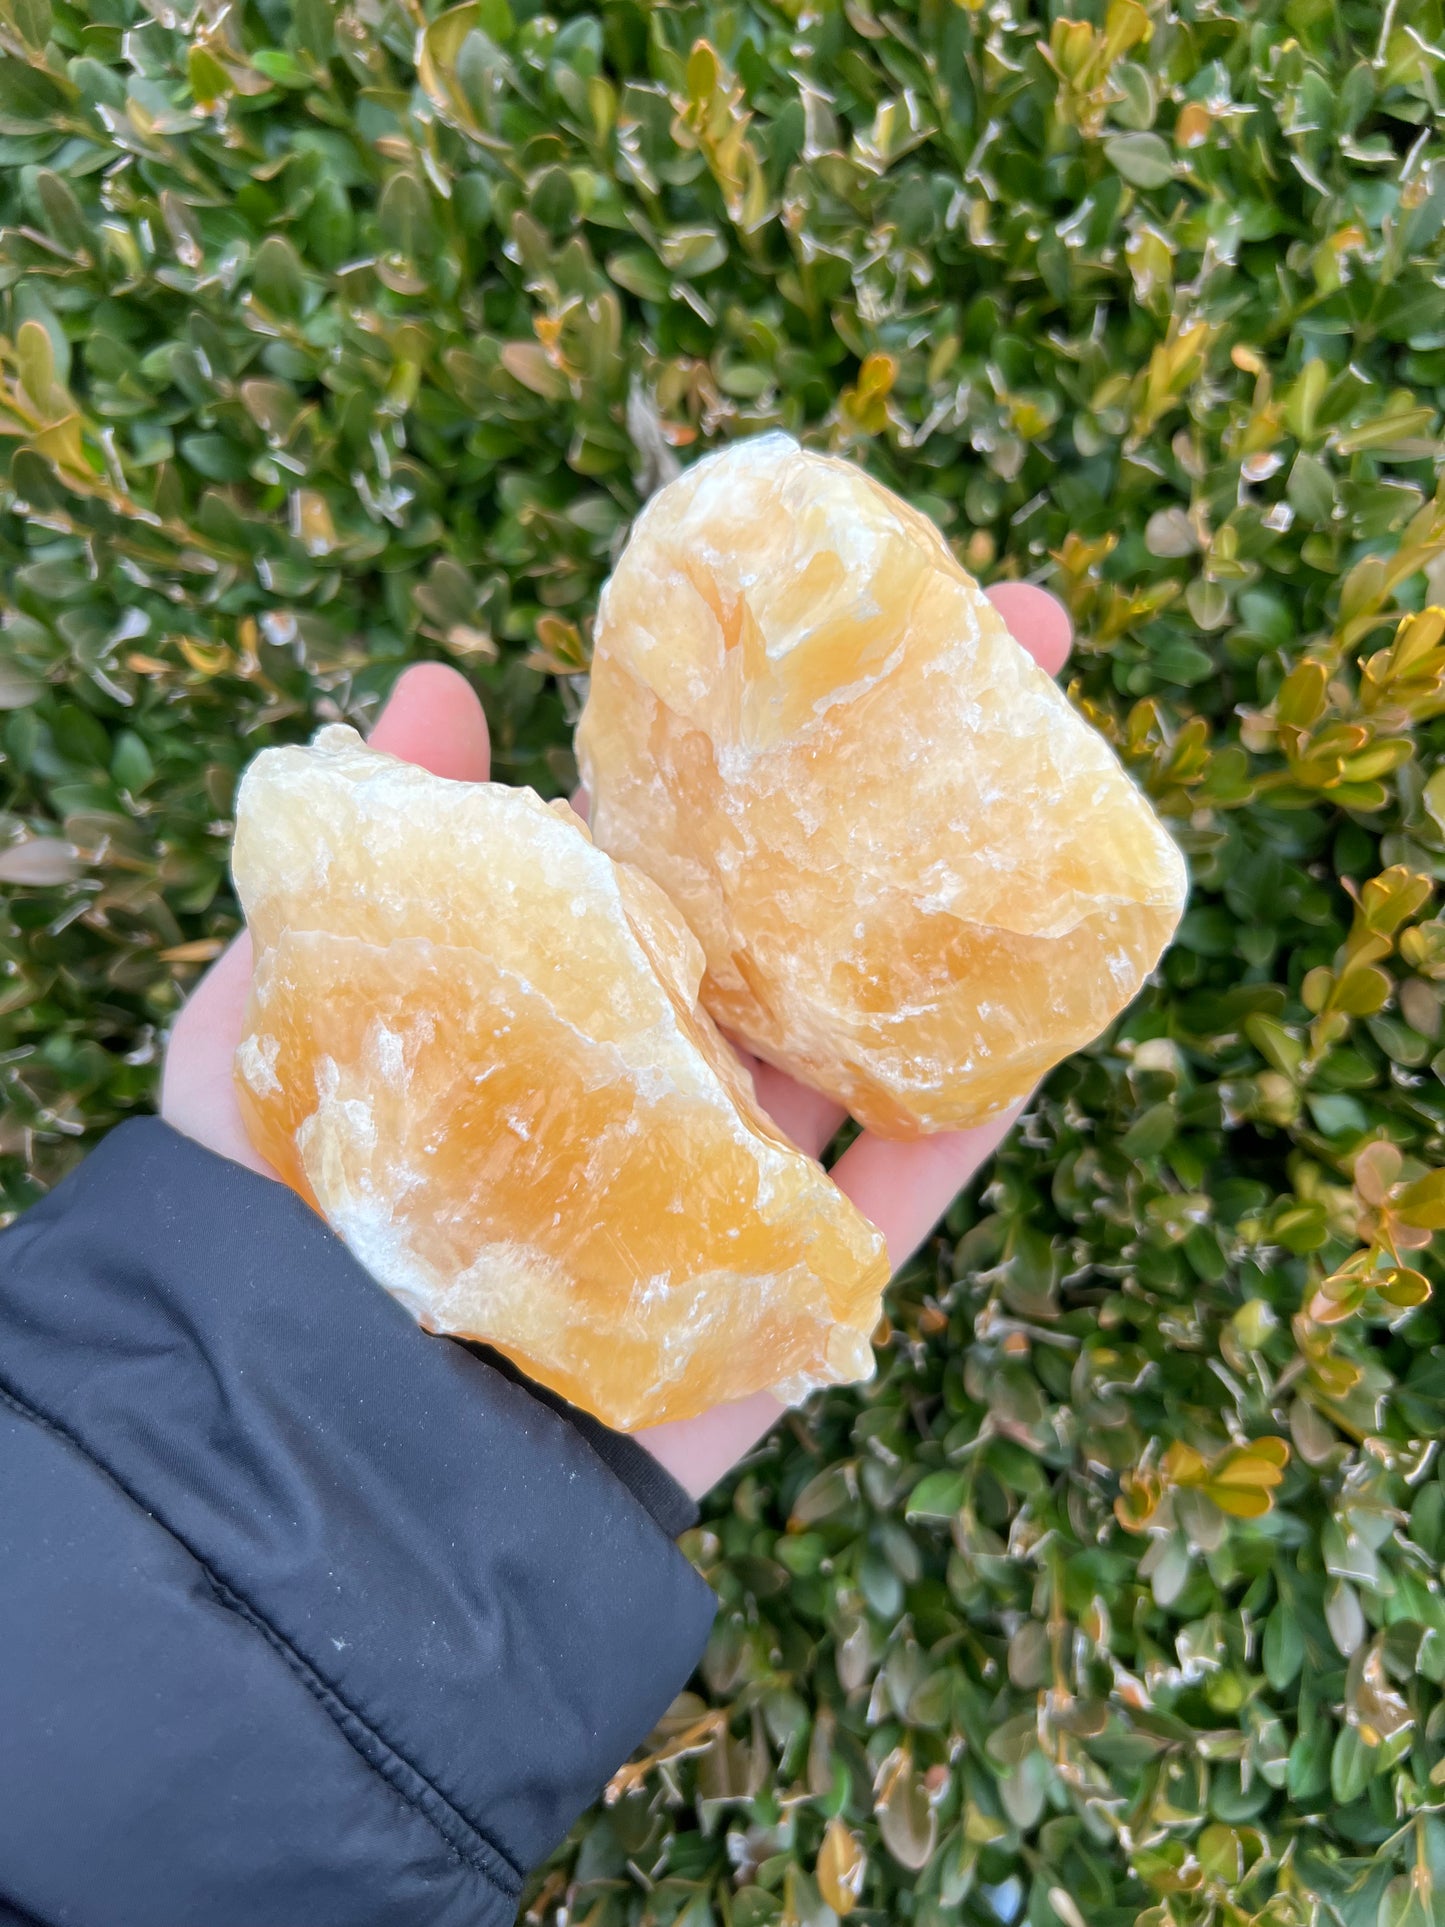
x,y
474,1044
918,876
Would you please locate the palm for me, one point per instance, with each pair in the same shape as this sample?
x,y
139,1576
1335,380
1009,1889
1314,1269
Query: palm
x,y
434,719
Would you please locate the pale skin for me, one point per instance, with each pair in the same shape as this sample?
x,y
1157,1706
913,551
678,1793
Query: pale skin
x,y
434,718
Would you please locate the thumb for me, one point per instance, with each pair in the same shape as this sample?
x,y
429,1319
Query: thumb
x,y
433,718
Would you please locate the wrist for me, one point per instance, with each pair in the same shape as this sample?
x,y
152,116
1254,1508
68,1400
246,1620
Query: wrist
x,y
697,1452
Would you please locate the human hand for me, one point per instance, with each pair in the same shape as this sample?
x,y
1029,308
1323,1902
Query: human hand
x,y
435,719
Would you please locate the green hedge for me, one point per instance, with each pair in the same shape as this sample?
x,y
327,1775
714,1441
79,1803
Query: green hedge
x,y
335,337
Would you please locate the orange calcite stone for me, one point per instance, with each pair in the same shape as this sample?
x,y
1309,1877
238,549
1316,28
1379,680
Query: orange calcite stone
x,y
474,1044
918,876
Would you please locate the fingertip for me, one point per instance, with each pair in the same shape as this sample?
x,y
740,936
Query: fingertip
x,y
433,717
1036,619
904,1186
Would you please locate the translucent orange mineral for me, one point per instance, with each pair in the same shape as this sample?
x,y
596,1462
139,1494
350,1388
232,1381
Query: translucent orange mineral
x,y
919,878
474,1044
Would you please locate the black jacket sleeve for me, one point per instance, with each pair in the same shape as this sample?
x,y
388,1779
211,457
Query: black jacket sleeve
x,y
305,1617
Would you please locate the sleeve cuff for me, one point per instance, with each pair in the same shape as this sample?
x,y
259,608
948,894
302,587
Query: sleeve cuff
x,y
483,1585
653,1487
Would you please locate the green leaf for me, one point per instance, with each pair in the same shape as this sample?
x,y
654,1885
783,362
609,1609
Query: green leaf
x,y
213,456
1149,1134
404,215
691,251
640,272
1308,1772
496,21
29,96
329,224
276,277
1344,1617
1136,84
1351,1766
1283,1647
33,21
207,78
131,765
1423,1202
1143,159
35,358
443,59
279,66
938,1495
907,1818
527,362
313,29
832,1491
64,216
1338,1115
1311,490
1275,1044
1408,1901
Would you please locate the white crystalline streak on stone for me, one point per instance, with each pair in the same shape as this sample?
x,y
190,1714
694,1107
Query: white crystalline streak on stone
x,y
387,1053
508,1278
257,1060
377,1236
849,692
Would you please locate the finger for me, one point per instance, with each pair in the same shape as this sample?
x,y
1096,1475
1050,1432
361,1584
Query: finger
x,y
197,1095
905,1188
225,986
1036,619
433,718
806,1116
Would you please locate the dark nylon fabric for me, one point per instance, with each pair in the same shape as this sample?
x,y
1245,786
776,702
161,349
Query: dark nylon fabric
x,y
291,1592
158,1767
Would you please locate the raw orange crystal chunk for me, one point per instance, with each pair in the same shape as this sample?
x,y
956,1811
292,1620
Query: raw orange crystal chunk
x,y
918,876
474,1044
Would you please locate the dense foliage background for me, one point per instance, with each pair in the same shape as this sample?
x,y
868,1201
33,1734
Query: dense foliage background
x,y
337,336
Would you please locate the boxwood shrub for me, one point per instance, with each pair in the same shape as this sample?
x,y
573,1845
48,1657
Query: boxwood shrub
x,y
336,336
